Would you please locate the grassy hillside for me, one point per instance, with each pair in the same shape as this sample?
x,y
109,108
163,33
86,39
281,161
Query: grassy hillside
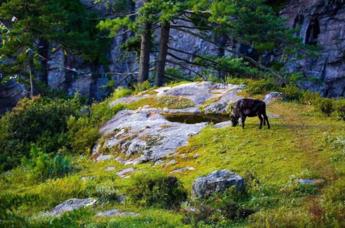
x,y
302,144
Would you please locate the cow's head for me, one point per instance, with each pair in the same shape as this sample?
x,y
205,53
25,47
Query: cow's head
x,y
234,120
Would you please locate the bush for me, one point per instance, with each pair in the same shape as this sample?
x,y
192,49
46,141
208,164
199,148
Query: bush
x,y
140,87
221,207
82,135
333,204
43,165
121,92
310,98
40,121
292,93
327,106
261,86
340,107
157,190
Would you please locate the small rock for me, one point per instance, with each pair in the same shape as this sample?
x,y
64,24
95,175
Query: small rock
x,y
159,162
136,161
110,168
310,181
272,96
181,170
125,172
195,156
116,213
217,181
104,157
170,163
70,205
120,160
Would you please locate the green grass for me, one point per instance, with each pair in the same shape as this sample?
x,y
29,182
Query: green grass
x,y
302,143
170,102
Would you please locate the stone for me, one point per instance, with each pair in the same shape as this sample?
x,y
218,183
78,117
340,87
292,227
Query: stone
x,y
148,134
324,72
116,213
217,181
70,205
272,96
170,163
311,181
125,172
182,170
110,168
102,157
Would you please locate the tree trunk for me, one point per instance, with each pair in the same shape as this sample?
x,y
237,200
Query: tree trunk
x,y
31,81
163,51
145,47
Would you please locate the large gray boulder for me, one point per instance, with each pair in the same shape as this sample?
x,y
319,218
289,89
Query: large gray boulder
x,y
217,181
71,205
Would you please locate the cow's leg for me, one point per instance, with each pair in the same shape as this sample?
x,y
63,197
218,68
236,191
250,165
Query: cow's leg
x,y
243,120
266,119
261,120
263,117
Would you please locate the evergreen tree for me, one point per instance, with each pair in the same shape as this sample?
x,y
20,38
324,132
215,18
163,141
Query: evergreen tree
x,y
27,23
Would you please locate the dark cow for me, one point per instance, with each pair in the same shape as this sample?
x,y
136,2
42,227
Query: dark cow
x,y
249,108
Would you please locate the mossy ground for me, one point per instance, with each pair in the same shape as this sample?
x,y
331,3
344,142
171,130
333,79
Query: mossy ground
x,y
300,144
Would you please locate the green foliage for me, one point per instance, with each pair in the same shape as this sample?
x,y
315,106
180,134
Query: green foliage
x,y
333,204
42,165
9,204
219,209
157,190
340,108
82,135
140,87
291,93
260,86
327,106
41,121
65,22
121,92
171,102
310,98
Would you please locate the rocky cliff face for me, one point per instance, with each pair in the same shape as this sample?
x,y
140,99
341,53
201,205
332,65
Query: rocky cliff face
x,y
320,23
10,93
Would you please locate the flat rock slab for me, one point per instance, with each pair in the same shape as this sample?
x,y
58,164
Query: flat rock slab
x,y
102,157
70,205
146,133
182,170
124,173
217,181
311,181
116,213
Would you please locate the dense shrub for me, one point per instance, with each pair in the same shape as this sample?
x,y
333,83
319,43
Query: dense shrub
x,y
140,87
157,190
82,134
220,208
340,108
327,106
261,86
292,93
310,98
41,121
42,165
333,204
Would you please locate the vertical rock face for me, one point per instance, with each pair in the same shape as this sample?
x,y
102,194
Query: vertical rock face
x,y
10,93
320,23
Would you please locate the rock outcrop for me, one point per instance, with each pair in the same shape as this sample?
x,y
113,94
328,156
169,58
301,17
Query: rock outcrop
x,y
70,205
320,23
148,135
217,181
10,93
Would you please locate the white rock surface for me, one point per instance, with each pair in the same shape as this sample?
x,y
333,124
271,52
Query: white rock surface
x,y
124,173
145,133
116,213
70,205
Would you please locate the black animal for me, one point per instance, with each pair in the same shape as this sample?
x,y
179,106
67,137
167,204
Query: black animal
x,y
249,108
